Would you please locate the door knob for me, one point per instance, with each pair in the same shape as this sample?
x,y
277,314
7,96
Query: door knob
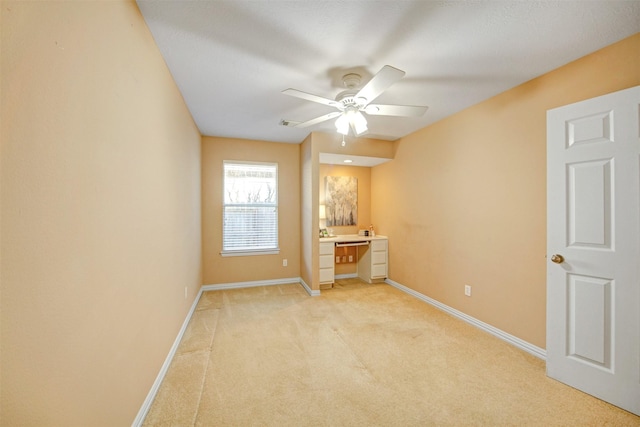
x,y
557,258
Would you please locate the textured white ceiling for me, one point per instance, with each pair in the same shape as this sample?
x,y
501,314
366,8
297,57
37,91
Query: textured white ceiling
x,y
232,58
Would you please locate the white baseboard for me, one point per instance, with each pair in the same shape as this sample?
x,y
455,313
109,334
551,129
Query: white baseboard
x,y
146,405
310,291
346,276
238,285
521,344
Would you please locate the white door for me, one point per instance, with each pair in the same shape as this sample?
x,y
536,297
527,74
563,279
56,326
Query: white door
x,y
593,247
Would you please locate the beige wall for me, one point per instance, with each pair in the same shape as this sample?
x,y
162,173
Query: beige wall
x,y
100,208
309,215
218,269
464,201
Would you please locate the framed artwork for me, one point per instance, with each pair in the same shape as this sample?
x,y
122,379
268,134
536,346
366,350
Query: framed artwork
x,y
341,200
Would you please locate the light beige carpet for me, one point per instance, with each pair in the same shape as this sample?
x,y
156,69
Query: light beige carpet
x,y
358,355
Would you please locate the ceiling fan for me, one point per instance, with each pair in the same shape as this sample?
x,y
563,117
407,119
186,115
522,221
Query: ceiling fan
x,y
352,102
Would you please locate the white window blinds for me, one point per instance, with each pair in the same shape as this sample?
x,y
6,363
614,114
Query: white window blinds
x,y
250,207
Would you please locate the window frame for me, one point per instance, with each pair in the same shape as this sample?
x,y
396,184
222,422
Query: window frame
x,y
259,251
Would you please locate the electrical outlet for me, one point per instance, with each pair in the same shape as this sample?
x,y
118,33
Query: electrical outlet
x,y
467,290
284,262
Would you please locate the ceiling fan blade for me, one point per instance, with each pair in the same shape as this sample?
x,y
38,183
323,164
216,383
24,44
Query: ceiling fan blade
x,y
310,97
379,83
395,110
318,120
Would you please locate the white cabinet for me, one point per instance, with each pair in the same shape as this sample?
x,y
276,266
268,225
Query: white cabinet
x,y
327,266
372,265
372,254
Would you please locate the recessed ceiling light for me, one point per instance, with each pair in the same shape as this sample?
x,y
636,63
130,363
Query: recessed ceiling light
x,y
348,161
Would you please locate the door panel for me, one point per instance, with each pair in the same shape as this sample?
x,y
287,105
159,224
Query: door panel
x,y
589,313
593,221
589,189
589,129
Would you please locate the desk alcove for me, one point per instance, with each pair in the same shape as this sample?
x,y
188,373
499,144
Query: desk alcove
x,y
371,257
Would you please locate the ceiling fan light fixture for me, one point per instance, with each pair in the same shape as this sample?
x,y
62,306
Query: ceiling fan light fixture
x,y
351,118
342,124
359,122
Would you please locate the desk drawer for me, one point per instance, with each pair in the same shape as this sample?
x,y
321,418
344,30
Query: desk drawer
x,y
378,271
326,275
326,248
326,261
378,258
378,245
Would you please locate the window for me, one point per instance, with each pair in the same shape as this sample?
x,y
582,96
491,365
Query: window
x,y
250,209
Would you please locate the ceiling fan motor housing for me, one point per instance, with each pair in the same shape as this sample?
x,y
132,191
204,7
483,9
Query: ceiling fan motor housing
x,y
351,80
347,98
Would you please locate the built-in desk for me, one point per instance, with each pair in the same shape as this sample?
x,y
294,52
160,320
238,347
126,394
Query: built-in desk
x,y
372,255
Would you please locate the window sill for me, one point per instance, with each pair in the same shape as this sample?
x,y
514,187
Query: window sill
x,y
251,252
